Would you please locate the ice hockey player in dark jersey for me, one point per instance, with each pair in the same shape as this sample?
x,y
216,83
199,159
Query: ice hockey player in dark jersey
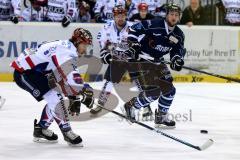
x,y
152,39
142,14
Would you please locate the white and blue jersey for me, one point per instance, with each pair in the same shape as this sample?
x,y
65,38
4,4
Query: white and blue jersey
x,y
157,40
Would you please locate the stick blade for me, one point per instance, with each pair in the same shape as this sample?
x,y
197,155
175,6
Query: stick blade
x,y
206,145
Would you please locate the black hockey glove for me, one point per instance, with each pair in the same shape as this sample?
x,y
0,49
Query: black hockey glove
x,y
74,105
87,93
14,19
133,51
98,18
176,63
66,21
105,56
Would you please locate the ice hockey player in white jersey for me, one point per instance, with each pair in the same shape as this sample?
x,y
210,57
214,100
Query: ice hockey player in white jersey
x,y
10,10
36,11
34,71
113,42
103,9
61,11
2,101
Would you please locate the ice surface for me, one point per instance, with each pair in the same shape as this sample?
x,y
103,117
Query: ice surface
x,y
214,107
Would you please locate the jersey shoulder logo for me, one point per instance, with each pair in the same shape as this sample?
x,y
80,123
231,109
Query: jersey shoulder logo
x,y
173,39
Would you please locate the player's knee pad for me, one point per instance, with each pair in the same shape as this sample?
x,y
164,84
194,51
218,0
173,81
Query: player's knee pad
x,y
53,98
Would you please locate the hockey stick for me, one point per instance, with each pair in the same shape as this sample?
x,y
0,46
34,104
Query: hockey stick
x,y
207,144
148,58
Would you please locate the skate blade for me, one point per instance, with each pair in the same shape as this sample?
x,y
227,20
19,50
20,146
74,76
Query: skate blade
x,y
42,140
161,126
75,145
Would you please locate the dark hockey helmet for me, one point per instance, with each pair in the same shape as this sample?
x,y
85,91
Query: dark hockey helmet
x,y
81,35
42,3
143,6
119,9
173,7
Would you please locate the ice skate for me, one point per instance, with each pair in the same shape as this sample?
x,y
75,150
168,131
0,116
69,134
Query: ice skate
x,y
162,121
72,139
42,135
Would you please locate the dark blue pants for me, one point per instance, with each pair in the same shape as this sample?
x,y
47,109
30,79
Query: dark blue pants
x,y
33,82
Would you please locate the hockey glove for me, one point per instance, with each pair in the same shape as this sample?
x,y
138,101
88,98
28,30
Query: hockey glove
x,y
176,63
66,21
133,51
74,105
98,18
14,19
87,93
105,56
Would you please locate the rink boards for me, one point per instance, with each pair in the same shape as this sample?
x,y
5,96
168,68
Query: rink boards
x,y
209,48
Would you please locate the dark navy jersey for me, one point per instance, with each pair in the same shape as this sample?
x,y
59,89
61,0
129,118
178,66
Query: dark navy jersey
x,y
156,40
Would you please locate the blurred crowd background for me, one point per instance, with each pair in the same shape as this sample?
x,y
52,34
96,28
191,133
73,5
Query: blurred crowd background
x,y
194,12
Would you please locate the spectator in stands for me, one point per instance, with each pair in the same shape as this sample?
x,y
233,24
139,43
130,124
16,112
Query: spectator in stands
x,y
131,8
10,10
61,11
36,11
152,4
91,4
193,14
231,11
161,11
83,12
103,9
143,13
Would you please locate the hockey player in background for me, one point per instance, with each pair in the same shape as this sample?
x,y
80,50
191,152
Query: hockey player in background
x,y
142,14
33,72
113,41
2,101
61,11
10,10
161,37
